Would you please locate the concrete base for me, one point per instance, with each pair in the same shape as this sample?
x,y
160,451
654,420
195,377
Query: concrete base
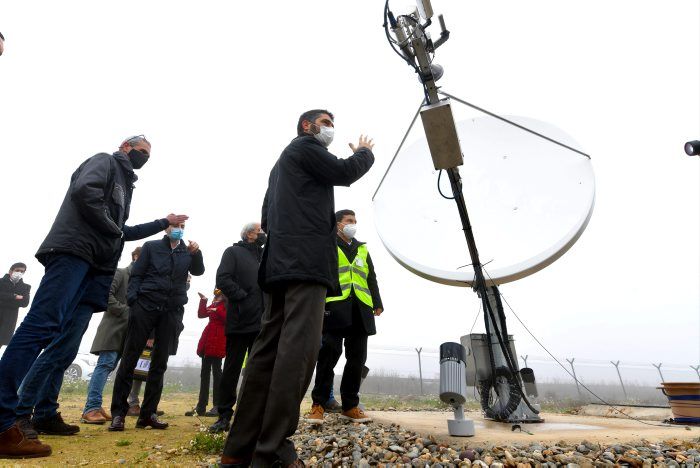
x,y
558,427
460,427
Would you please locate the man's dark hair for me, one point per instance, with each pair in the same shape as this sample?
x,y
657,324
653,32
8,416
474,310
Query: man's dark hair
x,y
136,253
18,265
339,215
311,115
2,37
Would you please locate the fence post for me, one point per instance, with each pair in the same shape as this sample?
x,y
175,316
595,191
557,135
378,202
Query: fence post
x,y
524,358
617,368
573,370
658,368
420,369
697,370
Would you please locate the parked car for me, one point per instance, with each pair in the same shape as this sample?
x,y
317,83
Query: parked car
x,y
82,367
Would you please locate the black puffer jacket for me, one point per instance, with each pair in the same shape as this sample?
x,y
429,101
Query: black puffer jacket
x,y
298,213
90,222
159,277
237,277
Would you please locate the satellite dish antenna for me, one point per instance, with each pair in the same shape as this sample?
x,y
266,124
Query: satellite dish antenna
x,y
526,192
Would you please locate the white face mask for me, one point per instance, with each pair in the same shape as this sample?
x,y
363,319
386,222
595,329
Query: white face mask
x,y
349,230
325,135
16,276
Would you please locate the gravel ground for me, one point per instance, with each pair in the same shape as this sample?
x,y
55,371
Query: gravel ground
x,y
338,443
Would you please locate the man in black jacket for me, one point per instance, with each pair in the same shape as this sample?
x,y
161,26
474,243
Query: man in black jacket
x,y
349,316
14,293
237,277
156,295
80,255
299,265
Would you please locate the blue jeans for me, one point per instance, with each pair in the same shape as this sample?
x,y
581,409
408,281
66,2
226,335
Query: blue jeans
x,y
60,290
106,363
40,388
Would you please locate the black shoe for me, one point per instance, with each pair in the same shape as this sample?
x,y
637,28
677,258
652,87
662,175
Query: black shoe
x,y
332,406
190,413
152,421
54,426
212,413
25,425
117,424
222,425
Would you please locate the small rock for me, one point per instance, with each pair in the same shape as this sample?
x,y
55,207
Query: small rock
x,y
397,449
171,451
467,455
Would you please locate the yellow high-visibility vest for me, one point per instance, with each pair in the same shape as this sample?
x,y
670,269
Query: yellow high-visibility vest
x,y
353,277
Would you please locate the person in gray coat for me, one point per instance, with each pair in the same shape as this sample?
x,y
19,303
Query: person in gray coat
x,y
108,345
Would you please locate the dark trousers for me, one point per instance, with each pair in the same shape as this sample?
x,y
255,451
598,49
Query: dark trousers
x,y
237,345
355,357
210,365
277,375
60,290
141,323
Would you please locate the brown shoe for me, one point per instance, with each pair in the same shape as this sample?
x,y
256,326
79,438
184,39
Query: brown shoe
x,y
315,416
355,415
107,416
93,417
14,444
134,410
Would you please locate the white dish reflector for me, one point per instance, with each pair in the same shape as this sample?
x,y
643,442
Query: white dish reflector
x,y
528,199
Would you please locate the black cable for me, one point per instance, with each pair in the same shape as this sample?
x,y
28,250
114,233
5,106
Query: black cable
x,y
440,190
391,41
571,374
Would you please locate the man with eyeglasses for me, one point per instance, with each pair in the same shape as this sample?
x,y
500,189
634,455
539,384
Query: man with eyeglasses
x,y
80,256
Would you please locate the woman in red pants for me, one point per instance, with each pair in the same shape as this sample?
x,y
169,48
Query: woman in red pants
x,y
212,349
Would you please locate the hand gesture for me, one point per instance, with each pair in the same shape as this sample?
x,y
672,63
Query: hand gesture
x,y
378,311
175,220
202,296
365,142
193,247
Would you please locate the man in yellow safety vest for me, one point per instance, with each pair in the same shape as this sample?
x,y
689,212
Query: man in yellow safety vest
x,y
350,317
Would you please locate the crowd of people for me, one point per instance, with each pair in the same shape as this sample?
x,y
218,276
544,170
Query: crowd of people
x,y
295,289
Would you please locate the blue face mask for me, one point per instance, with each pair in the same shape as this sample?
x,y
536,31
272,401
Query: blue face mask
x,y
176,234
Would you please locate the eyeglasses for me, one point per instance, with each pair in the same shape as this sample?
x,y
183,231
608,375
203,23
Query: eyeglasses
x,y
134,138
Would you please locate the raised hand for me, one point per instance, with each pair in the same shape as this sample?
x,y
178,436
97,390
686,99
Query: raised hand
x,y
193,247
365,142
175,220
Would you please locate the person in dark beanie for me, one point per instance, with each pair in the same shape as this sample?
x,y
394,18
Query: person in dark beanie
x,y
237,277
80,255
14,293
212,349
350,318
299,266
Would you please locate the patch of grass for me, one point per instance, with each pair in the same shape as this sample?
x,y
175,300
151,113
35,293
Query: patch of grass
x,y
404,402
122,443
140,457
208,443
74,387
